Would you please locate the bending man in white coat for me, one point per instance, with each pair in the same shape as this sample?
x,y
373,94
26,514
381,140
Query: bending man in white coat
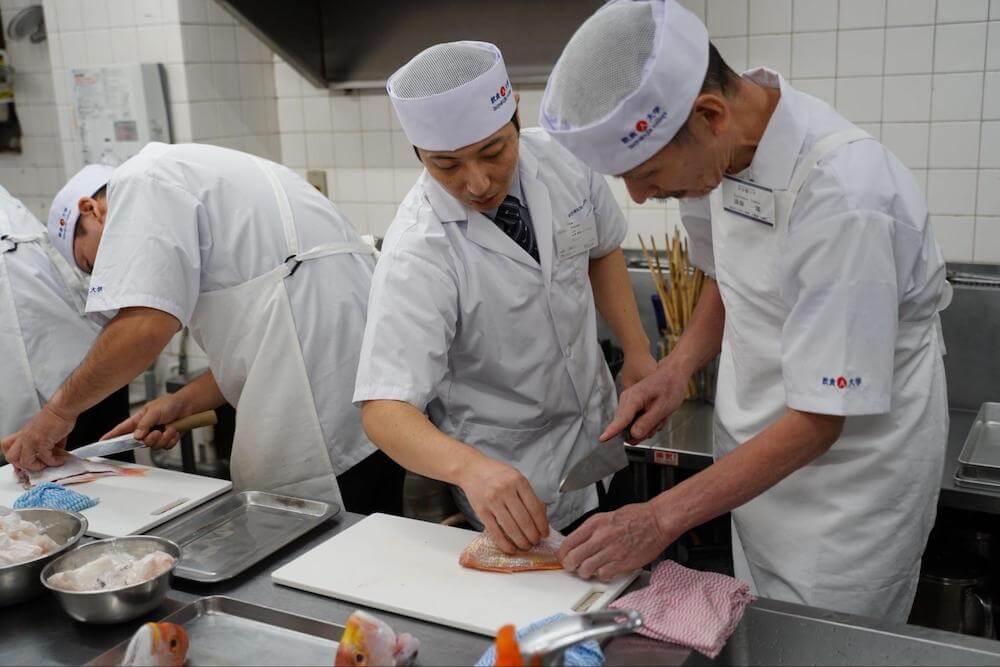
x,y
273,283
44,331
831,413
483,303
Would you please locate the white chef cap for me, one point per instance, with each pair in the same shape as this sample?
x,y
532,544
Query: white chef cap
x,y
626,82
65,209
452,95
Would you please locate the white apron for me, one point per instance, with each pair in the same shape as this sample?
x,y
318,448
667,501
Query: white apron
x,y
20,399
845,532
249,336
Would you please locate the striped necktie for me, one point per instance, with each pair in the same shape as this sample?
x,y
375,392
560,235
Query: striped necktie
x,y
510,219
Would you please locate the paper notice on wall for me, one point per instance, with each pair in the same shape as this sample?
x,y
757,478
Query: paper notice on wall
x,y
117,110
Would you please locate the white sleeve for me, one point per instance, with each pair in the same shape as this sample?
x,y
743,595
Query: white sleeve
x,y
696,216
611,224
838,277
149,254
412,319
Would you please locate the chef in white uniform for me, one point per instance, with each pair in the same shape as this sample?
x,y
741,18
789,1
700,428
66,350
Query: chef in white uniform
x,y
44,332
480,365
831,413
273,283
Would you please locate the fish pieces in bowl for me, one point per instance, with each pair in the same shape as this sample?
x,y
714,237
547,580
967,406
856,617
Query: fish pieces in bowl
x,y
113,580
29,540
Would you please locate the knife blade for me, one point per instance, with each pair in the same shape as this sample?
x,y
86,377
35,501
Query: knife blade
x,y
605,459
125,443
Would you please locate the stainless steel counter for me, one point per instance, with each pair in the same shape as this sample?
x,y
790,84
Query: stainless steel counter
x,y
686,443
771,632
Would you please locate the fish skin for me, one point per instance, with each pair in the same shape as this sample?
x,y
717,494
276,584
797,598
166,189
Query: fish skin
x,y
368,641
157,645
74,470
483,554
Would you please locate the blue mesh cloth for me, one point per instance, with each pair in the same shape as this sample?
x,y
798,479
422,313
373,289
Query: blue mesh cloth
x,y
587,654
54,496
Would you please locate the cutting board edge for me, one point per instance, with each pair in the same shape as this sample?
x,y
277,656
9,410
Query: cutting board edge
x,y
167,516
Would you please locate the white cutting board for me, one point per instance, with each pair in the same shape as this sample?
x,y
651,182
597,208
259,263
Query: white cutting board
x,y
128,503
411,567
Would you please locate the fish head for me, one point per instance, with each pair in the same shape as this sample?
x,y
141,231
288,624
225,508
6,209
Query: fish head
x,y
157,645
170,642
367,641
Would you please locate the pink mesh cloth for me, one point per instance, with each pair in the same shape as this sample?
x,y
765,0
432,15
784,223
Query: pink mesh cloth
x,y
696,609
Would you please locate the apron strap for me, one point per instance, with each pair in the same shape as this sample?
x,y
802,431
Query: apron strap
x,y
820,149
284,207
326,250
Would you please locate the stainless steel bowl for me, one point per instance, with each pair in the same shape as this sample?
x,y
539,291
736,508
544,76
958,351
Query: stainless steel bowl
x,y
20,582
115,605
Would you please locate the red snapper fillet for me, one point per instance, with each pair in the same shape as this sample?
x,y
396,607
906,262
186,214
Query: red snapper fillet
x,y
483,554
74,470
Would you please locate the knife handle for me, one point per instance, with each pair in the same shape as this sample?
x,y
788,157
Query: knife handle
x,y
206,418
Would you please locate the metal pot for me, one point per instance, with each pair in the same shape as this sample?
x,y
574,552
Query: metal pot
x,y
953,595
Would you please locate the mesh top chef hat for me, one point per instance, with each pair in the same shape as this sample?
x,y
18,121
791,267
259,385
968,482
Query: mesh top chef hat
x,y
65,209
626,82
452,95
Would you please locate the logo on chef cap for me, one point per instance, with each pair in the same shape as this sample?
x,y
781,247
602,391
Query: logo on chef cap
x,y
62,223
499,98
643,127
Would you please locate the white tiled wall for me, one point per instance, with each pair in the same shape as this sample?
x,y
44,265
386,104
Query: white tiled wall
x,y
35,175
922,75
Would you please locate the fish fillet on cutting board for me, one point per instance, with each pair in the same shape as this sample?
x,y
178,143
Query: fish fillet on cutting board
x,y
484,554
127,503
411,567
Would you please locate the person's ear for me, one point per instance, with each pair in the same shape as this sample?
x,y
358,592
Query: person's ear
x,y
87,206
713,113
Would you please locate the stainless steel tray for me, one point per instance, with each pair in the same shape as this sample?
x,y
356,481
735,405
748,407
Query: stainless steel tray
x,y
976,484
224,631
980,457
225,537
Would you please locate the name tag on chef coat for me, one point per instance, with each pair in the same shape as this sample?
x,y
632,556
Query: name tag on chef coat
x,y
580,233
748,200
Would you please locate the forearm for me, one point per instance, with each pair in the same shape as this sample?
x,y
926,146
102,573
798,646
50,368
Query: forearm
x,y
615,301
124,349
702,339
788,444
201,394
406,434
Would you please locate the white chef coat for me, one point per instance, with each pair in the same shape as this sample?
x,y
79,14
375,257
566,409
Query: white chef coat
x,y
500,350
838,316
44,331
188,219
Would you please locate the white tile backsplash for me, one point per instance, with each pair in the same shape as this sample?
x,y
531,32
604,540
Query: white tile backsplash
x,y
910,12
906,98
959,47
377,148
860,98
734,51
989,146
957,96
993,46
954,145
989,192
348,150
860,52
987,240
962,11
774,51
726,17
908,142
862,14
814,15
770,16
955,235
909,50
951,191
814,54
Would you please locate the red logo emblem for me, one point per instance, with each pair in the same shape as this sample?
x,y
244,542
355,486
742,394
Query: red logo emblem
x,y
641,126
503,91
841,382
62,222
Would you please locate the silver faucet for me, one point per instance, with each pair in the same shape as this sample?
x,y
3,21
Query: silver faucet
x,y
547,644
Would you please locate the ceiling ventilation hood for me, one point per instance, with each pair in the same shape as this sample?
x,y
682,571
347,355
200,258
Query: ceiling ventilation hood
x,y
349,44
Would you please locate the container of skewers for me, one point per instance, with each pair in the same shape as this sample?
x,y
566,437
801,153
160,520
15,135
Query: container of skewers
x,y
678,288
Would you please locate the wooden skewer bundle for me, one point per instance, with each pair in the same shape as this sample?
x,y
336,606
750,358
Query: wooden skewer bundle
x,y
679,289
